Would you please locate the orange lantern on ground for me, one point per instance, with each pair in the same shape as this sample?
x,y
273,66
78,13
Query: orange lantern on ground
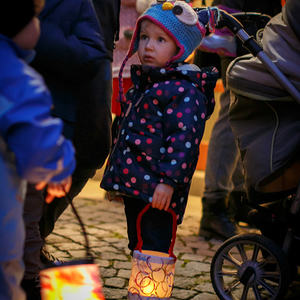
x,y
72,280
152,273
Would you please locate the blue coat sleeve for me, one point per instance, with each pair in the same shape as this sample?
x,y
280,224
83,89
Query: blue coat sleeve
x,y
71,43
41,152
184,123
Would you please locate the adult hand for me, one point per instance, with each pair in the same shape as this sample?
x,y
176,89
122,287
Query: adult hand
x,y
162,196
55,189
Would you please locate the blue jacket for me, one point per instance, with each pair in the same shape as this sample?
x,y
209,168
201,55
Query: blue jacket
x,y
162,125
72,58
26,125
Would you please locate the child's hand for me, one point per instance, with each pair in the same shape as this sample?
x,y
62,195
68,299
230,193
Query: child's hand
x,y
55,189
162,196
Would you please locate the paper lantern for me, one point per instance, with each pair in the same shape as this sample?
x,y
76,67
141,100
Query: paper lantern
x,y
75,280
152,273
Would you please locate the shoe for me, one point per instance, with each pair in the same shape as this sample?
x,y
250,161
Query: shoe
x,y
215,221
32,288
48,259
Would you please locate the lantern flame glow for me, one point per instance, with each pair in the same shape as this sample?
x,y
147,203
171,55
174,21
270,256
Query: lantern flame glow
x,y
71,282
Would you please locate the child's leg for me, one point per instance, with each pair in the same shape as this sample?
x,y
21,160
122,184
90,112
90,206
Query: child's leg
x,y
156,226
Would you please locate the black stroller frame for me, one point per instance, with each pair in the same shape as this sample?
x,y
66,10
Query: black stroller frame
x,y
260,266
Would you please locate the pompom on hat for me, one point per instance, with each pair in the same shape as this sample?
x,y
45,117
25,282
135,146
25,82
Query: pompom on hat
x,y
181,22
15,15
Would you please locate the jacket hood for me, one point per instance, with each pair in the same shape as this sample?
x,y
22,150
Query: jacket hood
x,y
203,79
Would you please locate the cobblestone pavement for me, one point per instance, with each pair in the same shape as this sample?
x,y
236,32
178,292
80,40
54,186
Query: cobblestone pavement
x,y
106,227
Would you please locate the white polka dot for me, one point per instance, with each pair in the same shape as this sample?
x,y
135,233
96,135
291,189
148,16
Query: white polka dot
x,y
123,131
188,145
130,124
195,118
111,168
116,187
127,137
163,71
173,162
159,113
181,199
150,199
146,177
186,99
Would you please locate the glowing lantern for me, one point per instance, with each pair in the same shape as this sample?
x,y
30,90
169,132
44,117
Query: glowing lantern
x,y
152,273
75,280
72,280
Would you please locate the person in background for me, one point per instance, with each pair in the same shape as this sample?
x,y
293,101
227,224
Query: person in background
x,y
224,178
72,57
162,121
32,147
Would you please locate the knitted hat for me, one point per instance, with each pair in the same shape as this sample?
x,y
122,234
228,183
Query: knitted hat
x,y
180,21
15,15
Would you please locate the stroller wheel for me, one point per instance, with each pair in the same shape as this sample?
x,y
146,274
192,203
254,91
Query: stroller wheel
x,y
249,267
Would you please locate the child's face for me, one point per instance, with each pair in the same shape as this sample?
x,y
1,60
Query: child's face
x,y
28,37
156,48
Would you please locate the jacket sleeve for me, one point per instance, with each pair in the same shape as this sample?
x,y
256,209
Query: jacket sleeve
x,y
184,123
41,152
70,45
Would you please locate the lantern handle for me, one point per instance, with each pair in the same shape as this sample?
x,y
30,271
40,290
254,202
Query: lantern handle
x,y
84,233
138,229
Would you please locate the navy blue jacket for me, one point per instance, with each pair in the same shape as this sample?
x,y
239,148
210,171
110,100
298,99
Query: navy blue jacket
x,y
72,57
162,124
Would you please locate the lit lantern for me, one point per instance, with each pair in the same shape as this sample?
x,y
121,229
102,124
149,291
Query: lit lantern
x,y
75,279
69,281
152,273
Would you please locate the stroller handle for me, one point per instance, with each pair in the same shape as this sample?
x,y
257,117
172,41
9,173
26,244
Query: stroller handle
x,y
249,42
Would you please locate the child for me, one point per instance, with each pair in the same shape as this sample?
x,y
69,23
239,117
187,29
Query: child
x,y
162,121
31,145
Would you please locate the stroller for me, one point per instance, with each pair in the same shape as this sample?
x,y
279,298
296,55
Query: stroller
x,y
266,123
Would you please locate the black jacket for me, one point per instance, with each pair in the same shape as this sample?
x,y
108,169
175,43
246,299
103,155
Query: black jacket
x,y
72,57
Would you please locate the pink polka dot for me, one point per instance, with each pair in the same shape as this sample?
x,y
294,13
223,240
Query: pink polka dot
x,y
137,142
170,150
125,171
180,125
143,121
148,158
155,85
169,111
196,141
181,89
167,82
159,92
133,179
155,101
204,75
186,179
203,116
136,193
183,166
179,115
128,184
149,141
129,161
173,139
203,82
152,130
177,83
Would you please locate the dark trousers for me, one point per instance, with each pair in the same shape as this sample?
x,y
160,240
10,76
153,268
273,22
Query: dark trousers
x,y
156,226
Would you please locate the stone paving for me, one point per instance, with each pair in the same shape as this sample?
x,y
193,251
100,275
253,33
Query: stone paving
x,y
106,227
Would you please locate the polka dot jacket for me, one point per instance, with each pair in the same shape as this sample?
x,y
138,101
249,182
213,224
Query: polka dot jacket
x,y
160,129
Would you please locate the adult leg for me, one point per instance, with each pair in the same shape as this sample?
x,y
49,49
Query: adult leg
x,y
223,162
